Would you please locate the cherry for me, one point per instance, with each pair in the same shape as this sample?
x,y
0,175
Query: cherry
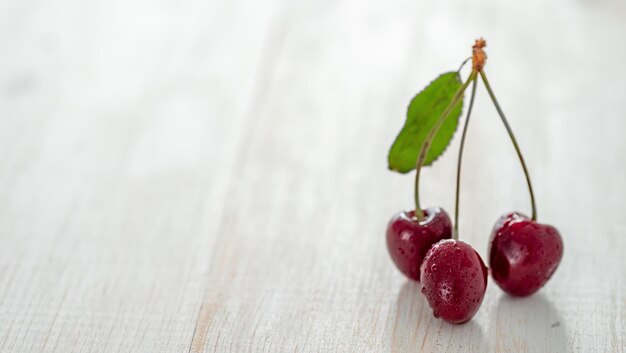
x,y
453,276
408,239
454,280
523,254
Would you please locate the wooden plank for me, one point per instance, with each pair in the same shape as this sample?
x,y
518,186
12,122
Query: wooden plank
x,y
210,176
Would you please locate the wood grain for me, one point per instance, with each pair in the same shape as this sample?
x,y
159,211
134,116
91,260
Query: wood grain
x,y
211,177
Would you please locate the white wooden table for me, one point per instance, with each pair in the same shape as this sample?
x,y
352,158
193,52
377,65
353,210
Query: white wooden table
x,y
210,176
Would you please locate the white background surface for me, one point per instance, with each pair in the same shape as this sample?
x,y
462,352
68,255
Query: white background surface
x,y
210,176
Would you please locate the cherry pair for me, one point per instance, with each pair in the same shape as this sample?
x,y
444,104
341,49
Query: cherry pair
x,y
424,245
453,276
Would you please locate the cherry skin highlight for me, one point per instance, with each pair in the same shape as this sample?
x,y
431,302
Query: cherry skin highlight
x,y
408,240
454,280
523,254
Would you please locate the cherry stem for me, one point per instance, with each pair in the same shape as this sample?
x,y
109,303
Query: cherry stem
x,y
419,214
455,234
463,63
514,141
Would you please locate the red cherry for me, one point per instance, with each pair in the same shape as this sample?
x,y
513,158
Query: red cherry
x,y
523,254
408,240
454,280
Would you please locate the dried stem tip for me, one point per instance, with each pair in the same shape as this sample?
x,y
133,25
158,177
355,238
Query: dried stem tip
x,y
478,55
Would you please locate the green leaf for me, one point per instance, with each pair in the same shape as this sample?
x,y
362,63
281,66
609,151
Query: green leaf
x,y
424,110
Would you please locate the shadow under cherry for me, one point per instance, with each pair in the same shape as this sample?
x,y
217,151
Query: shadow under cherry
x,y
531,324
416,329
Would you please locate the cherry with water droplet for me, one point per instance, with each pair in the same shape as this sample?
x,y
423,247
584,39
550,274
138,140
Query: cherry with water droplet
x,y
447,282
408,240
450,271
523,254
